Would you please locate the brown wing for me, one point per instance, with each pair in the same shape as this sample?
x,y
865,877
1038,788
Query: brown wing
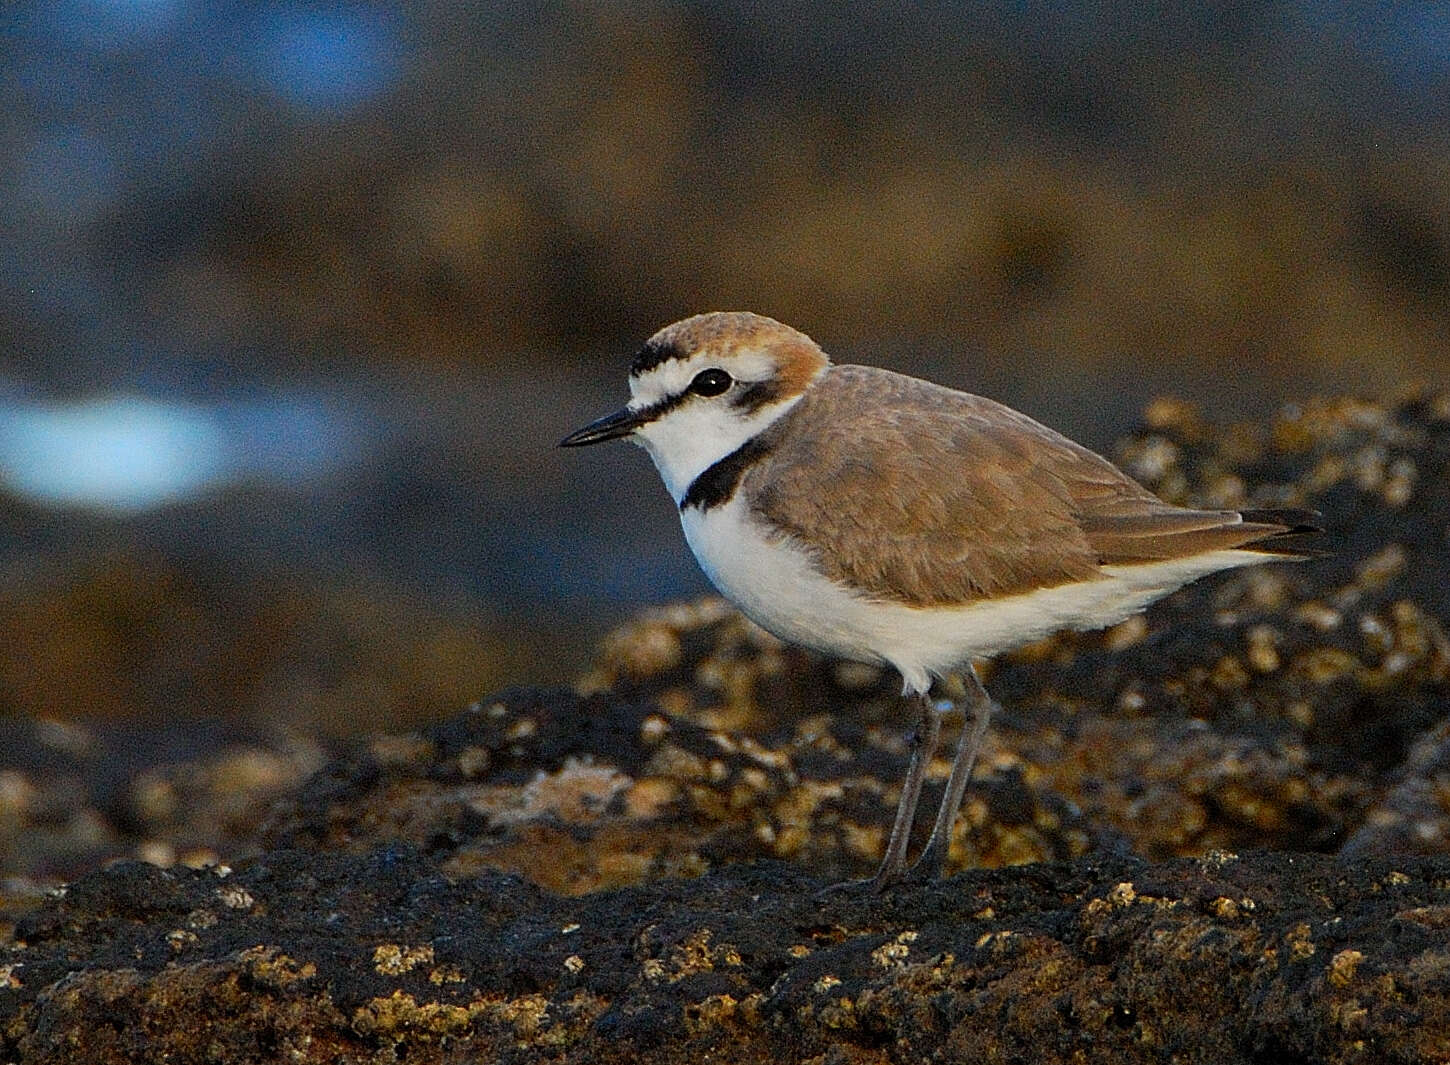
x,y
938,497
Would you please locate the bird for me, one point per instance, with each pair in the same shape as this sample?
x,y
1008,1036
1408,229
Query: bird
x,y
880,518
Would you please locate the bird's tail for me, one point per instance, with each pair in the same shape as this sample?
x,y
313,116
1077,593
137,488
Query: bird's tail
x,y
1299,534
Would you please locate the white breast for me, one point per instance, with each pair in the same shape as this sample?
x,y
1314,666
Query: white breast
x,y
773,580
776,584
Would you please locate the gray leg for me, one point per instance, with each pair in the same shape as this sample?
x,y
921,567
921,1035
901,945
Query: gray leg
x,y
977,712
923,746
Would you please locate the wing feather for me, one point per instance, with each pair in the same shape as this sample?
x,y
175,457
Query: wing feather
x,y
931,496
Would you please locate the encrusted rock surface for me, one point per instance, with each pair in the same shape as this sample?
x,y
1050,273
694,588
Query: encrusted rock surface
x,y
628,869
381,958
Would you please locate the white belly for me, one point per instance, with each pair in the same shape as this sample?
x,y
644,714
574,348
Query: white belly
x,y
774,582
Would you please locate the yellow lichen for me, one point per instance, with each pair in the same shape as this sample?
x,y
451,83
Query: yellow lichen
x,y
896,952
1298,940
402,1012
269,967
392,959
446,974
1343,965
1224,907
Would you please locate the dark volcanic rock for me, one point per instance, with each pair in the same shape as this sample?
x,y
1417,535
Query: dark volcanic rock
x,y
380,957
630,871
582,792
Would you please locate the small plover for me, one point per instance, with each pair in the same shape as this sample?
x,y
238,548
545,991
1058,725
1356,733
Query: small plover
x,y
884,519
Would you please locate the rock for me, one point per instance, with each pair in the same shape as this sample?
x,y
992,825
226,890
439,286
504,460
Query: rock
x,y
333,957
631,869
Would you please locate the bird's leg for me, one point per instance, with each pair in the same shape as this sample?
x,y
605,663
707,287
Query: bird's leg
x,y
923,746
977,712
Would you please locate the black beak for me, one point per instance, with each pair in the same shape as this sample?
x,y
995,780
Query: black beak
x,y
610,427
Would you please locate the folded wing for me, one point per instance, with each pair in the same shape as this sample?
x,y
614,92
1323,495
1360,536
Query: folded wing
x,y
935,497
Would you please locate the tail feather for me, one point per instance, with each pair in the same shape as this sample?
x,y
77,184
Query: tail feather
x,y
1298,535
1165,533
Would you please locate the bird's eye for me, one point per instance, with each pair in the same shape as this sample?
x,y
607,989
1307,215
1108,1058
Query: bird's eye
x,y
710,382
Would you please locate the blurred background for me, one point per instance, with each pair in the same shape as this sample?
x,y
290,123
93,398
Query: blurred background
x,y
296,298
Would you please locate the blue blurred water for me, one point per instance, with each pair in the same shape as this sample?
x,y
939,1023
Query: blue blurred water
x,y
327,58
124,452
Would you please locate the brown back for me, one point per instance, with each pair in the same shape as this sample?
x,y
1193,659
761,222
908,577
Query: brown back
x,y
924,495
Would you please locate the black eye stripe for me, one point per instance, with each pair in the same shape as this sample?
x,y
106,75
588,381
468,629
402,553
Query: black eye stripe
x,y
660,407
757,395
749,400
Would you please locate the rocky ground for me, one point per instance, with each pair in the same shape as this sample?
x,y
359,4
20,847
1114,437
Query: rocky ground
x,y
1218,833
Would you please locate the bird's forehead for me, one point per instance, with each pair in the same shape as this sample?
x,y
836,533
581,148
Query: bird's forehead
x,y
747,346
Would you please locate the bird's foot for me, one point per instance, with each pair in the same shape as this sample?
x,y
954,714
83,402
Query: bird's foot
x,y
930,865
858,889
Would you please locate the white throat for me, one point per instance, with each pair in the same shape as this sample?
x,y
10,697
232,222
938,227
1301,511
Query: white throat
x,y
689,440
